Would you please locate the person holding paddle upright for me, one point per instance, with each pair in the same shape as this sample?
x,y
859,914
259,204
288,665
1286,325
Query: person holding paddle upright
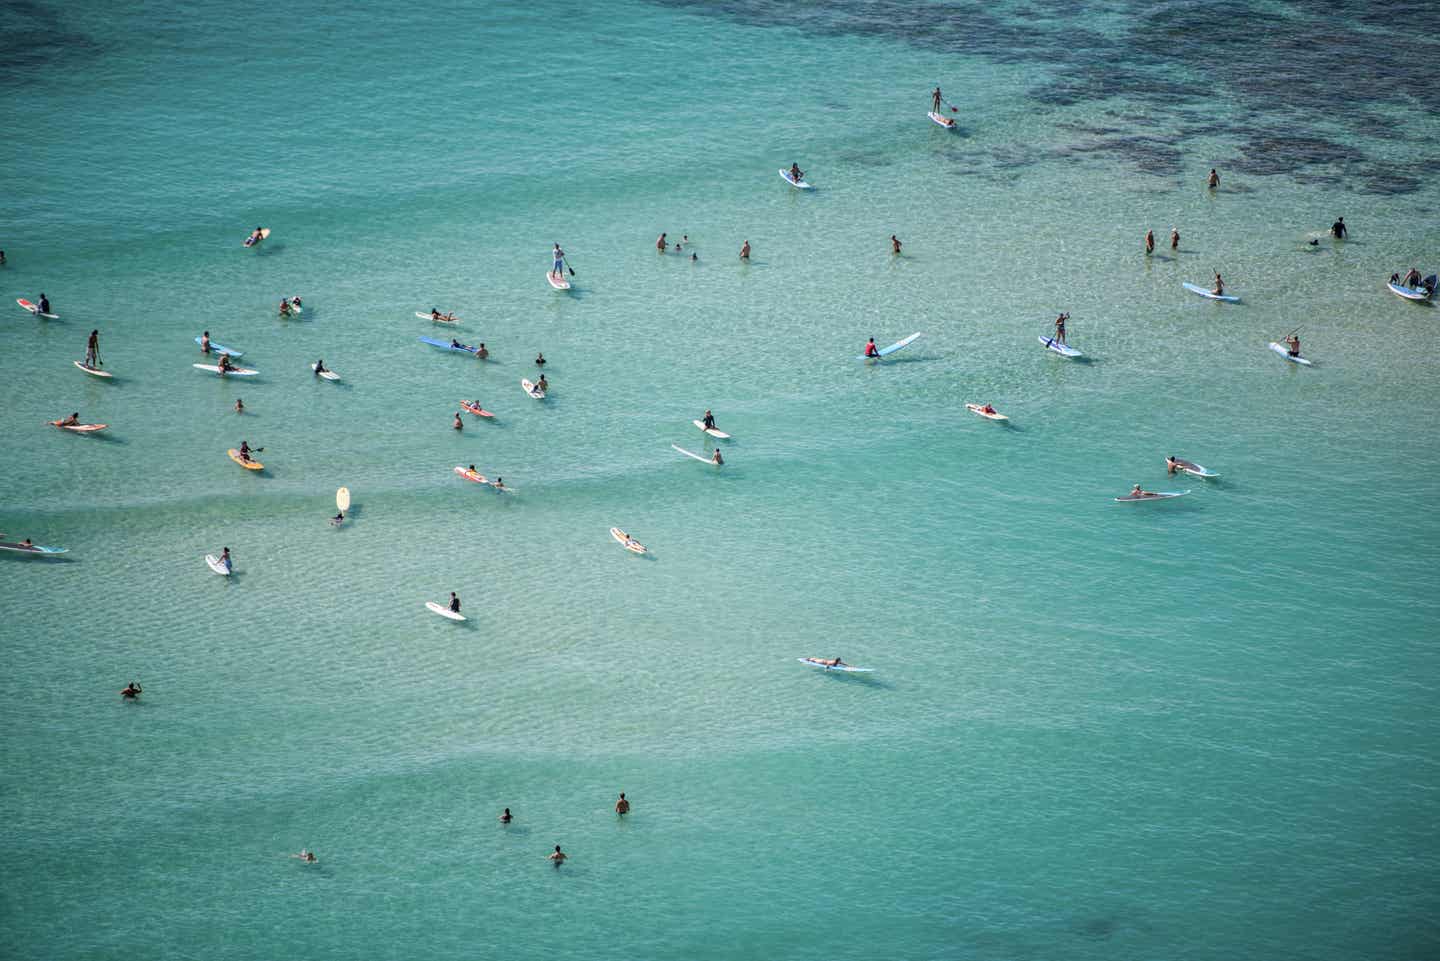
x,y
92,350
558,268
936,98
1060,328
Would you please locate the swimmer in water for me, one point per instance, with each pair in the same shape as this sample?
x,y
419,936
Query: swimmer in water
x,y
558,857
1214,180
622,806
745,250
716,459
506,817
459,424
225,559
661,246
131,691
894,244
540,360
239,406
1174,239
1171,464
305,855
481,352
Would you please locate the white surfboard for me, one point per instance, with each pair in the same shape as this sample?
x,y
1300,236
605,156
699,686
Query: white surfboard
x,y
217,565
327,373
1208,295
1193,469
232,372
444,611
844,668
710,430
531,389
438,320
799,185
627,542
1284,351
690,453
1064,350
92,371
342,499
980,409
1150,496
947,122
559,283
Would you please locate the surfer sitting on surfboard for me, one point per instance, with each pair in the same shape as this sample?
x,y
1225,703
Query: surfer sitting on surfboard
x,y
224,364
557,269
708,420
45,304
72,421
871,350
454,603
244,446
542,384
987,409
320,367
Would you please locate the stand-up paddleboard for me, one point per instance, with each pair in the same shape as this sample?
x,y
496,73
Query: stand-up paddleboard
x,y
232,372
531,389
1399,290
1284,351
446,345
220,349
327,373
342,499
79,428
217,565
477,411
690,453
1150,496
251,240
471,475
898,345
438,320
798,185
444,611
35,310
711,430
628,542
251,464
1208,295
32,549
559,283
1064,350
1193,469
824,665
92,371
942,120
980,409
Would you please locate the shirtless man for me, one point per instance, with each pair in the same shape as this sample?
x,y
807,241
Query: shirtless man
x,y
745,250
558,858
622,806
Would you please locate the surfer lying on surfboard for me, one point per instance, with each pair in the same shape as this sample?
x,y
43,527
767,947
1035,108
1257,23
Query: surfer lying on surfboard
x,y
436,315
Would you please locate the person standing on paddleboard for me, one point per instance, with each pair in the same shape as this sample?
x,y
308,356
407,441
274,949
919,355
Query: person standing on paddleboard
x,y
1293,342
92,349
557,269
1174,239
935,99
1060,328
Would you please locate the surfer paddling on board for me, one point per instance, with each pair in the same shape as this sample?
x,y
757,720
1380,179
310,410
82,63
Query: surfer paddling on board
x,y
835,662
1060,328
708,421
436,315
72,421
1293,343
257,235
244,450
1219,289
1137,492
871,350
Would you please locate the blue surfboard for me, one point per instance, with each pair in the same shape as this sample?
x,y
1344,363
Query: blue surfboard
x,y
898,345
446,345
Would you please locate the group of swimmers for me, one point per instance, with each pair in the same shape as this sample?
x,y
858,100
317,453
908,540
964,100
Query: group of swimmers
x,y
662,245
290,305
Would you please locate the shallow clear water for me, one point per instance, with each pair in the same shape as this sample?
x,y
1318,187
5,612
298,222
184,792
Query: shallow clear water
x,y
1196,729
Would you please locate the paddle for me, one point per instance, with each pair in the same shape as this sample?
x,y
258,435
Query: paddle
x,y
567,266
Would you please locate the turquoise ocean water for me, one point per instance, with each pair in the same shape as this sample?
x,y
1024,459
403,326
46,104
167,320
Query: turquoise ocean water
x,y
1202,729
